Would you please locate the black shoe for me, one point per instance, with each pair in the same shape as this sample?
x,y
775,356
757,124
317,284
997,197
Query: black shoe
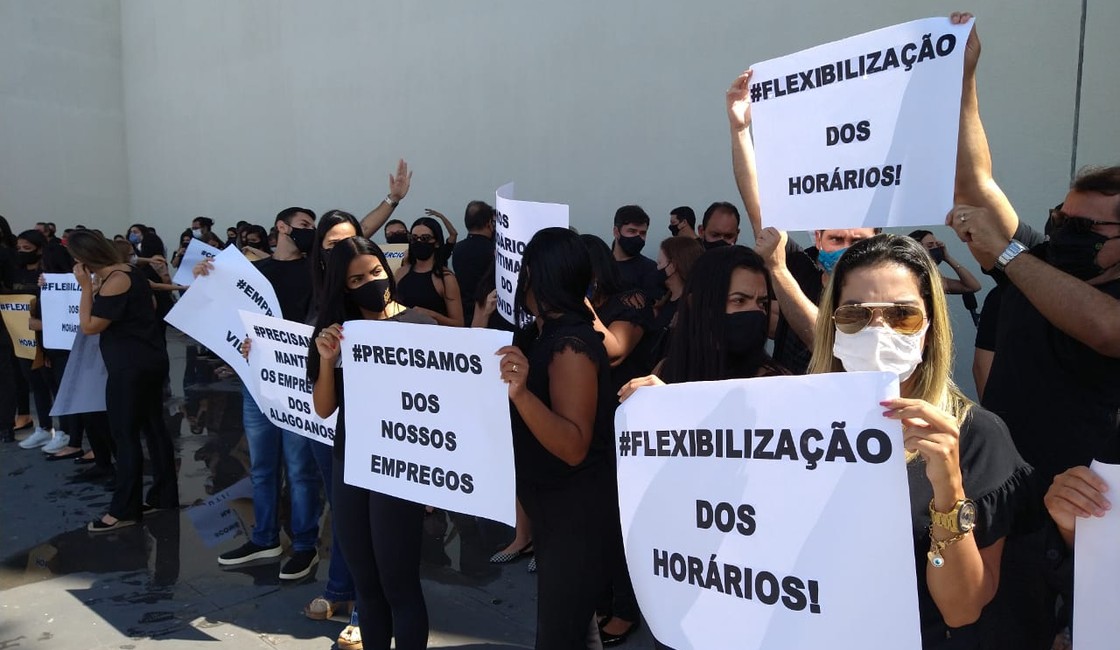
x,y
248,552
147,509
609,639
299,565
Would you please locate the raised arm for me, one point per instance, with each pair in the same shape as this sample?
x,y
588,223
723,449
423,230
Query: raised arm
x,y
742,148
452,234
800,312
399,184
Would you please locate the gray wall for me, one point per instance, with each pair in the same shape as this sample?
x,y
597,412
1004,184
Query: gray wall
x,y
237,109
62,150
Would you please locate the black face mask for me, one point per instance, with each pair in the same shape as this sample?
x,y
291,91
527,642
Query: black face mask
x,y
397,238
253,243
1076,252
674,229
719,243
304,239
372,296
631,246
744,332
27,258
662,277
938,255
421,251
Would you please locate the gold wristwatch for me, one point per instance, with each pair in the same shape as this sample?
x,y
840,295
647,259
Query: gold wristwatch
x,y
961,519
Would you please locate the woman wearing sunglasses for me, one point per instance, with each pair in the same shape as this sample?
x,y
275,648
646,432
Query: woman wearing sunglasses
x,y
884,309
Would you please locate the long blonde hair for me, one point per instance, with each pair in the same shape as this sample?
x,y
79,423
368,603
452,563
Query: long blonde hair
x,y
932,381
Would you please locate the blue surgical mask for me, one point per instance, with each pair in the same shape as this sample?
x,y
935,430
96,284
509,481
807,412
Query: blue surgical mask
x,y
828,259
134,237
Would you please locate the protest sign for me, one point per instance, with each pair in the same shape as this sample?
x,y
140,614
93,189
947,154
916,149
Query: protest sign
x,y
59,299
515,223
209,311
394,254
278,365
82,389
216,519
1096,571
16,311
427,416
771,513
861,132
195,253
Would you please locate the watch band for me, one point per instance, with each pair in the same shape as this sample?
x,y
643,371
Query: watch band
x,y
391,202
1013,250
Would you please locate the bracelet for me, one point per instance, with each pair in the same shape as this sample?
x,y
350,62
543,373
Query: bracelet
x,y
390,201
936,546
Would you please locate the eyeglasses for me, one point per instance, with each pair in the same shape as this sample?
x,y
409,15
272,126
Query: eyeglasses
x,y
423,239
1077,224
904,319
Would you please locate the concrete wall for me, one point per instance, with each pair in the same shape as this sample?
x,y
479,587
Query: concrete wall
x,y
62,149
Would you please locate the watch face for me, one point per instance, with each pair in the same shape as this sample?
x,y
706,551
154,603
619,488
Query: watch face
x,y
967,516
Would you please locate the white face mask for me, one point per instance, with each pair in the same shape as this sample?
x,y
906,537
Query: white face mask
x,y
880,348
197,232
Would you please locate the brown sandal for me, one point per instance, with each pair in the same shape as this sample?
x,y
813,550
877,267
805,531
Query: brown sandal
x,y
321,609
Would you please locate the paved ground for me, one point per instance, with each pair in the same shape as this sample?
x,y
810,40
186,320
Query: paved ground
x,y
159,585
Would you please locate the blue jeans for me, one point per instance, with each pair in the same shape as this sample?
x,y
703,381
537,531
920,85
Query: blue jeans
x,y
268,445
340,584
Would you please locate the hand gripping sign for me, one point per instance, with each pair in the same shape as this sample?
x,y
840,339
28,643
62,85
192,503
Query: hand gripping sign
x,y
195,253
515,224
209,312
861,132
770,513
427,416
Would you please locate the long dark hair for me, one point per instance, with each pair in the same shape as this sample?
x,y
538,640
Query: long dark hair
x,y
151,246
56,259
696,346
557,269
439,258
6,238
607,279
333,303
318,257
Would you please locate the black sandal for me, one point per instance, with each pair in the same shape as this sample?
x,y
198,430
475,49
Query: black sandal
x,y
99,525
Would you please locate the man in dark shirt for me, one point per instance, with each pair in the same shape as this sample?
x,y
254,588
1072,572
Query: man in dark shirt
x,y
474,255
720,225
289,273
631,223
1055,373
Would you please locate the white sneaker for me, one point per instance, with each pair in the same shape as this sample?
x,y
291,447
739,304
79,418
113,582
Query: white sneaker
x,y
37,439
58,442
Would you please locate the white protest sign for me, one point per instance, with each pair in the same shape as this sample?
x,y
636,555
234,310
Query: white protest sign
x,y
278,363
59,299
209,312
861,132
427,416
394,254
1096,571
82,389
195,253
515,224
216,519
769,513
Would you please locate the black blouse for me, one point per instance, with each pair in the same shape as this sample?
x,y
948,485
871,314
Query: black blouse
x,y
536,466
997,479
416,289
135,338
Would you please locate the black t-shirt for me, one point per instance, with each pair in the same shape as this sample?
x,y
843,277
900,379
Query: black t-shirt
x,y
339,451
26,281
989,320
291,280
472,258
135,338
789,350
1059,397
640,272
538,468
163,298
997,479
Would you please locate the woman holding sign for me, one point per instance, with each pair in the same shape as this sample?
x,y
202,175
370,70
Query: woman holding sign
x,y
884,309
379,534
559,379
